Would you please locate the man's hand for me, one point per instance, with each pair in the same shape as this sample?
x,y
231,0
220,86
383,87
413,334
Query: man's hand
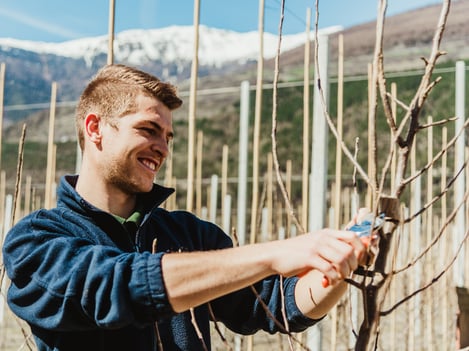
x,y
335,253
339,254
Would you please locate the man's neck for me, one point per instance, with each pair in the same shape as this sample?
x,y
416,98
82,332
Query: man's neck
x,y
104,196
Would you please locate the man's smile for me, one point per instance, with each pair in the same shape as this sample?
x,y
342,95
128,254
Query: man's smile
x,y
150,164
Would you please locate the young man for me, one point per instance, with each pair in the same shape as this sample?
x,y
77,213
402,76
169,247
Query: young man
x,y
84,276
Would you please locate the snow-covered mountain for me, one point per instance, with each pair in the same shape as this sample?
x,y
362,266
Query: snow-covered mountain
x,y
167,45
31,66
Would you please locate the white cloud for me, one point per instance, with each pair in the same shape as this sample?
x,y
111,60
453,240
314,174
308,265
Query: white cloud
x,y
35,23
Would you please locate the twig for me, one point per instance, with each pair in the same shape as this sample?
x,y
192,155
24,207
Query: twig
x,y
433,281
26,335
275,158
420,97
399,102
217,328
154,248
274,127
197,329
435,240
332,127
437,156
438,123
277,322
378,81
19,172
439,196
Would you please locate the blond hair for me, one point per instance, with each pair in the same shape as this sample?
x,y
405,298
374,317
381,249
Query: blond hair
x,y
112,92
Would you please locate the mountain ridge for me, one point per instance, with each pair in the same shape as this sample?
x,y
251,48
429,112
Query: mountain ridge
x,y
139,46
29,74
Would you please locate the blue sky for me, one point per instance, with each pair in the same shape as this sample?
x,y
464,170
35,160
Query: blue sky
x,y
60,20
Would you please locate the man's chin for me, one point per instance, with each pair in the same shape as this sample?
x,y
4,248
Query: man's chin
x,y
147,186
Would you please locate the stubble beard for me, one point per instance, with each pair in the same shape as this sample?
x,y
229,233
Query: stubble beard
x,y
127,179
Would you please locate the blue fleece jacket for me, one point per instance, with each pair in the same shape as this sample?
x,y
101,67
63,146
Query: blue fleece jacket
x,y
83,283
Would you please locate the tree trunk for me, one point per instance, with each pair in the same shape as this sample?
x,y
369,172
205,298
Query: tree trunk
x,y
375,291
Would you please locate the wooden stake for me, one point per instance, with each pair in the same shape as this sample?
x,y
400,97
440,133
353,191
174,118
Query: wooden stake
x,y
173,203
459,185
50,149
306,123
168,174
429,217
224,183
198,173
340,117
213,199
415,235
110,48
2,199
19,172
243,161
333,312
2,87
54,168
270,194
369,194
18,213
256,131
288,179
192,109
443,244
27,196
394,115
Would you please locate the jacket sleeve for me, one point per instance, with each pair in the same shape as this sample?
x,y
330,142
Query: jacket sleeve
x,y
242,312
63,282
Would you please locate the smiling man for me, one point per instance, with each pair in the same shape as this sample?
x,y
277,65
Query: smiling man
x,y
84,276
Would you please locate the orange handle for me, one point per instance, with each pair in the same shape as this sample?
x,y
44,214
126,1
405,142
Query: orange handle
x,y
366,241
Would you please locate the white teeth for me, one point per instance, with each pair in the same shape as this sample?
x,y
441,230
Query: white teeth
x,y
149,164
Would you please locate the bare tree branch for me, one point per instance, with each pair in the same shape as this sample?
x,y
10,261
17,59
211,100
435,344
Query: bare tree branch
x,y
19,172
332,127
442,229
438,123
274,128
433,281
420,97
438,155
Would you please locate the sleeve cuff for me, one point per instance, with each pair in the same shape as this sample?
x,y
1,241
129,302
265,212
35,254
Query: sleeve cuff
x,y
298,321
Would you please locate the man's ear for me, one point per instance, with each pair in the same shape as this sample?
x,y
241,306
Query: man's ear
x,y
93,128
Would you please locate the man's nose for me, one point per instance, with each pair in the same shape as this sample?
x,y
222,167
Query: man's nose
x,y
161,146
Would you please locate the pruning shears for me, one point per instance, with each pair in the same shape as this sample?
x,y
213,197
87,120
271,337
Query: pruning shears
x,y
364,231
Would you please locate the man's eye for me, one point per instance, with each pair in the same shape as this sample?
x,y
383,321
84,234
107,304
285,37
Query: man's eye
x,y
148,130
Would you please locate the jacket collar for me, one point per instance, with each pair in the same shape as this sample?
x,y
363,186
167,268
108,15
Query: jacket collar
x,y
68,196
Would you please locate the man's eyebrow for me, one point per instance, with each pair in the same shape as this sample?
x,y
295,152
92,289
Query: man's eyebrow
x,y
157,126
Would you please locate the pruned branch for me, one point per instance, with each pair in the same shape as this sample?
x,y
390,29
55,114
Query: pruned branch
x,y
438,123
433,281
274,128
449,219
19,172
420,97
437,156
330,123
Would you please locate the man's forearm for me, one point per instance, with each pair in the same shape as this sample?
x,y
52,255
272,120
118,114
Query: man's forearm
x,y
194,278
312,299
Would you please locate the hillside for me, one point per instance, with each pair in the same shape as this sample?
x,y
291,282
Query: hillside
x,y
407,36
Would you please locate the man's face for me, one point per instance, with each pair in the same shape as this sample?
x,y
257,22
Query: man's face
x,y
134,150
